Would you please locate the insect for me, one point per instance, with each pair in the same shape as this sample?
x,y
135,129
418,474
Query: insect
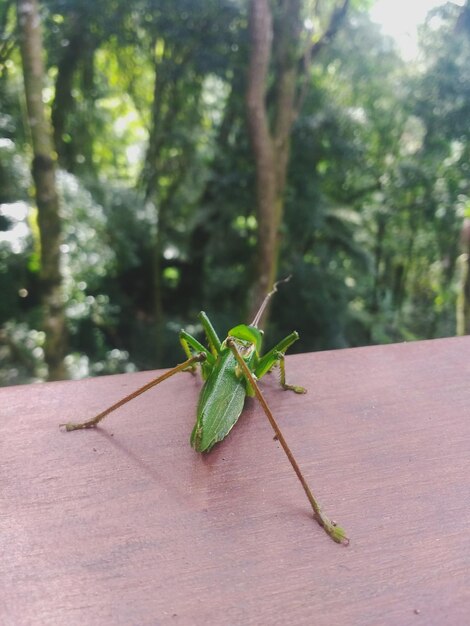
x,y
230,370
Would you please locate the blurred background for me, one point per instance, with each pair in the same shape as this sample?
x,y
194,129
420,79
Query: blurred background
x,y
162,157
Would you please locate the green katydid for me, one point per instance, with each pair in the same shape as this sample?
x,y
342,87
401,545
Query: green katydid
x,y
230,370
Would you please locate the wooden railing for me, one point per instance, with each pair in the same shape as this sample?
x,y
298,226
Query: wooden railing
x,y
126,524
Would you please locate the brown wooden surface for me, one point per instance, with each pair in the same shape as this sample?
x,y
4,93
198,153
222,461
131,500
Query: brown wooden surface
x,y
128,525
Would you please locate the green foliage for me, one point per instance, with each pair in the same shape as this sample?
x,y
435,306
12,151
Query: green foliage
x,y
157,184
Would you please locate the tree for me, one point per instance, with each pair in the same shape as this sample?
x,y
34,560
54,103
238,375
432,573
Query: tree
x,y
183,66
271,141
463,300
443,104
43,170
358,161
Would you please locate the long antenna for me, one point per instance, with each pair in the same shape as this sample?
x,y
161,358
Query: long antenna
x,y
264,304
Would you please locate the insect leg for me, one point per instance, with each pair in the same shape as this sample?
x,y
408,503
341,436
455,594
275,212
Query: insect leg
x,y
211,334
270,359
91,423
192,346
282,367
276,356
335,532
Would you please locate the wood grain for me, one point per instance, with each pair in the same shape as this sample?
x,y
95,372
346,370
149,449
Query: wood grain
x,y
126,524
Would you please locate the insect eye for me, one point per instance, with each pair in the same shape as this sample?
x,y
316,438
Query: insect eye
x,y
246,350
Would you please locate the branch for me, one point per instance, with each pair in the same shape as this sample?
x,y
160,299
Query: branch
x,y
7,40
6,48
337,18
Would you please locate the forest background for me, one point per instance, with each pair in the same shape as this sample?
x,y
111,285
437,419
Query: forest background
x,y
162,157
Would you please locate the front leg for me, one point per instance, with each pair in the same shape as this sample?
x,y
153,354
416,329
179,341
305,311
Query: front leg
x,y
276,356
282,367
192,346
211,334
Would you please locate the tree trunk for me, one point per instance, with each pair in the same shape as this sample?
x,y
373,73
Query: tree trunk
x,y
176,92
43,170
63,100
271,148
150,178
75,66
261,35
463,299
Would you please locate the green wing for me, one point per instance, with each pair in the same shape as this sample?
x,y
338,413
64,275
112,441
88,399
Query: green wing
x,y
220,404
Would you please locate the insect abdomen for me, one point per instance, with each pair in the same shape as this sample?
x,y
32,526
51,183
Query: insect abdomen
x,y
220,404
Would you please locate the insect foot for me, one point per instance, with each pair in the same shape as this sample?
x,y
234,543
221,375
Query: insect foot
x,y
337,533
295,388
72,426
